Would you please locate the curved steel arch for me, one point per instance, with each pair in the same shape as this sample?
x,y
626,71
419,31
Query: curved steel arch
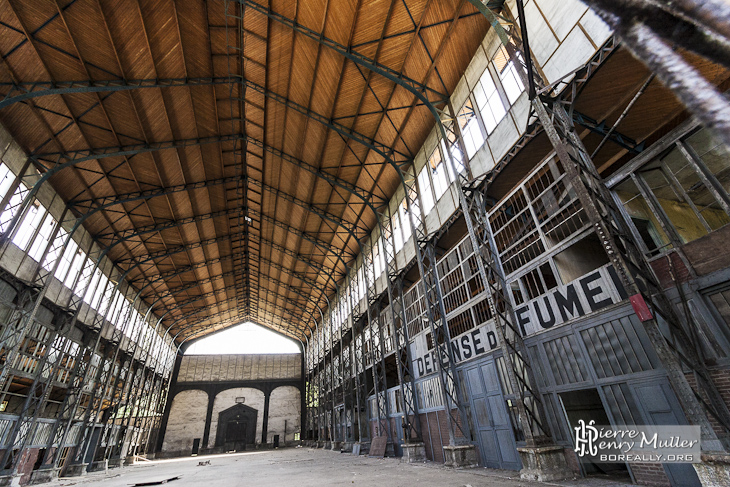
x,y
314,265
197,298
123,235
219,304
320,244
189,326
113,151
291,273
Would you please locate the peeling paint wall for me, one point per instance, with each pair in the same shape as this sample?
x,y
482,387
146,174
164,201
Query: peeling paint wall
x,y
284,411
187,421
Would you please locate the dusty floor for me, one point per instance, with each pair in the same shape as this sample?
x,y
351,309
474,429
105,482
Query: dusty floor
x,y
304,467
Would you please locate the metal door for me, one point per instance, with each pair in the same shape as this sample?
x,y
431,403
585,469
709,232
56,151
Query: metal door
x,y
491,421
662,408
398,435
236,434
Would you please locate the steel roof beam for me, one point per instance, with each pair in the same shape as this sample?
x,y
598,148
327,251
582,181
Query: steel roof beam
x,y
347,52
319,268
72,158
124,235
201,265
384,150
333,180
321,213
33,89
104,202
190,326
322,245
218,304
178,272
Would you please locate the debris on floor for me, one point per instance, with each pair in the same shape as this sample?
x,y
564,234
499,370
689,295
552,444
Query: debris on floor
x,y
156,482
203,464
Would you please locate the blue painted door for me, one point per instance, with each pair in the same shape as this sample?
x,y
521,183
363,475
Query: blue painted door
x,y
490,418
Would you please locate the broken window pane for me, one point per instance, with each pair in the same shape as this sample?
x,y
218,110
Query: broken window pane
x,y
642,217
713,154
697,194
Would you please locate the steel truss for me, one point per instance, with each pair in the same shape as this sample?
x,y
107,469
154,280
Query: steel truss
x,y
473,205
379,148
637,277
16,92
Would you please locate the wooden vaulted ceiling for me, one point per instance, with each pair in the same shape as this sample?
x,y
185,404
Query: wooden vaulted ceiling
x,y
233,222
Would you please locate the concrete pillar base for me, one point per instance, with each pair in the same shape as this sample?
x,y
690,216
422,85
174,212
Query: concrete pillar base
x,y
115,462
10,480
714,471
336,445
347,446
414,452
460,456
44,474
76,470
327,445
544,464
100,466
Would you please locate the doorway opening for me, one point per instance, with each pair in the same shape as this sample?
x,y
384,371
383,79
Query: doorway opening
x,y
236,428
586,405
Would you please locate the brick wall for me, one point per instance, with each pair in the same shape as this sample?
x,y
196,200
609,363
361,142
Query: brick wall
x,y
721,378
651,474
201,368
665,273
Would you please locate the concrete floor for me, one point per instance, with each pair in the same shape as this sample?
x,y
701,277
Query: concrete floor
x,y
304,467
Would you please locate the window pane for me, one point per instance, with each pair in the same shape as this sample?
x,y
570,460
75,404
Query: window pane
x,y
705,203
13,207
643,219
438,173
28,225
398,236
684,219
41,240
489,102
75,269
91,291
511,82
470,130
404,218
714,154
424,184
6,179
54,252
